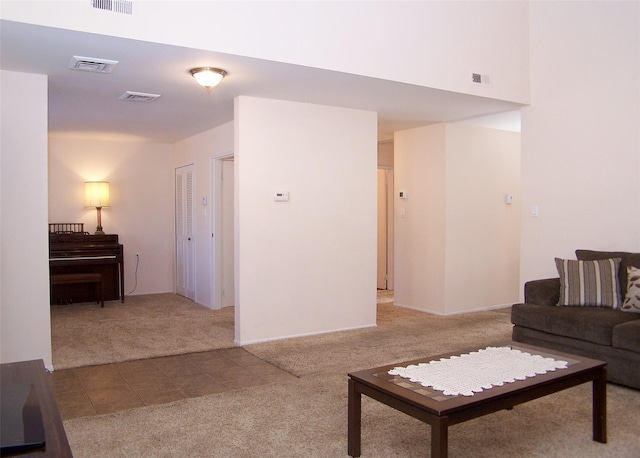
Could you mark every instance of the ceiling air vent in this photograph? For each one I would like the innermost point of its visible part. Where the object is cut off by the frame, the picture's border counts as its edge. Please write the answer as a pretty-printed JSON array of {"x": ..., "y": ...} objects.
[
  {"x": 117, "y": 6},
  {"x": 90, "y": 64},
  {"x": 138, "y": 97}
]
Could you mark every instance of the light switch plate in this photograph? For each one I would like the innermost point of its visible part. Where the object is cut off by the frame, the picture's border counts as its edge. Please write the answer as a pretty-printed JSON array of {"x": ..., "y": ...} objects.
[{"x": 281, "y": 196}]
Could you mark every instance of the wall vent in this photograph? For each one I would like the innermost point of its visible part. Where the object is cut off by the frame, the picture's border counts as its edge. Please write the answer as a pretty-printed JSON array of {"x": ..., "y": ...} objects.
[
  {"x": 90, "y": 64},
  {"x": 117, "y": 6},
  {"x": 131, "y": 96}
]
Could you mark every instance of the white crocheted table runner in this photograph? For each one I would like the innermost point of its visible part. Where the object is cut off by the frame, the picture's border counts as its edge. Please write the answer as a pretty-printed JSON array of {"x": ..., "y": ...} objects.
[{"x": 480, "y": 370}]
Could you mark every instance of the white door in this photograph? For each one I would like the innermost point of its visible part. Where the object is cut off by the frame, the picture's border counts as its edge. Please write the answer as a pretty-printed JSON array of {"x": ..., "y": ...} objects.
[{"x": 185, "y": 243}]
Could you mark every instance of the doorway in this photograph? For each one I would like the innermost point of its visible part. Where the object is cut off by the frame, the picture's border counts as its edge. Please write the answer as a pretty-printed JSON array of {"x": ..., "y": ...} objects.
[
  {"x": 385, "y": 228},
  {"x": 223, "y": 246}
]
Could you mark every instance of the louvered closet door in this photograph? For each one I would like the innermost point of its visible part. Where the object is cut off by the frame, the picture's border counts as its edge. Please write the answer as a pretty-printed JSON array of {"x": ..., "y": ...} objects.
[{"x": 185, "y": 242}]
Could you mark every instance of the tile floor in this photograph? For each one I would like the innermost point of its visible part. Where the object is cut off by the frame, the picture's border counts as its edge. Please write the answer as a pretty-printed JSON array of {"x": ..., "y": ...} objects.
[{"x": 96, "y": 390}]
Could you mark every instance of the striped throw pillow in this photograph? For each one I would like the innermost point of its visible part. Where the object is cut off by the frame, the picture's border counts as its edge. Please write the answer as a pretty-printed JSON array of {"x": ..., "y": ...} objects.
[
  {"x": 589, "y": 283},
  {"x": 632, "y": 299}
]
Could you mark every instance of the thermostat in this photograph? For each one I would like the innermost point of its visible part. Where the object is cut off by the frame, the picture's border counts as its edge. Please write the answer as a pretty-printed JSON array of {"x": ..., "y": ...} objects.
[
  {"x": 281, "y": 196},
  {"x": 402, "y": 194}
]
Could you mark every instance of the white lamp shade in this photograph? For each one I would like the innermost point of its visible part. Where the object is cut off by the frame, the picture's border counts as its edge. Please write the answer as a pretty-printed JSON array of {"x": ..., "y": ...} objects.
[
  {"x": 96, "y": 194},
  {"x": 208, "y": 77}
]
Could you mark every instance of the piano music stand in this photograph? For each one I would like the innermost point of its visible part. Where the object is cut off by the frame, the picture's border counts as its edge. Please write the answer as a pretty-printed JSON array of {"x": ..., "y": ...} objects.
[{"x": 66, "y": 228}]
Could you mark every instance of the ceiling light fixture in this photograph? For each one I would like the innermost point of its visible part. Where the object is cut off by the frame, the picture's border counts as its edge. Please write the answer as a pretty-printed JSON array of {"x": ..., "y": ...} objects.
[{"x": 208, "y": 77}]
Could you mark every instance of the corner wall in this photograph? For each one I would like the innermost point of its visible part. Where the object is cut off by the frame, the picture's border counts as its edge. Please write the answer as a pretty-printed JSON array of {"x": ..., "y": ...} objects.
[
  {"x": 457, "y": 245},
  {"x": 305, "y": 266},
  {"x": 25, "y": 327}
]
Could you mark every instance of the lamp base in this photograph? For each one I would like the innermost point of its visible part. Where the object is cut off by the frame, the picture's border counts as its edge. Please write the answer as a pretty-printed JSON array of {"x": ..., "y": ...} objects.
[{"x": 99, "y": 230}]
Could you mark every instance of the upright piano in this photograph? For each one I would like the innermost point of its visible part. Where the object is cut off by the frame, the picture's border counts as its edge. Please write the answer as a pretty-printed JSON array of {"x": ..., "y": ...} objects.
[{"x": 80, "y": 252}]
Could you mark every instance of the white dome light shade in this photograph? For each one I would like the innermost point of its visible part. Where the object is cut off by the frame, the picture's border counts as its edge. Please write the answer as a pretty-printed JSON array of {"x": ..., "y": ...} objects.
[{"x": 208, "y": 77}]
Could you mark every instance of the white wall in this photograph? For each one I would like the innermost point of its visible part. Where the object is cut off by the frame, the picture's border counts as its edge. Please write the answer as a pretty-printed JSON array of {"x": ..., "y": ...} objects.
[
  {"x": 457, "y": 245},
  {"x": 25, "y": 328},
  {"x": 581, "y": 134},
  {"x": 199, "y": 150},
  {"x": 482, "y": 230},
  {"x": 583, "y": 123},
  {"x": 307, "y": 265},
  {"x": 385, "y": 154},
  {"x": 420, "y": 238},
  {"x": 141, "y": 190},
  {"x": 433, "y": 44}
]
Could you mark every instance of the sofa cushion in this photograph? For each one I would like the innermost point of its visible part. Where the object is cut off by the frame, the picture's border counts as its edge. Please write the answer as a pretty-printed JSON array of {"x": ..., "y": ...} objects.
[
  {"x": 592, "y": 324},
  {"x": 626, "y": 259},
  {"x": 589, "y": 283},
  {"x": 632, "y": 298},
  {"x": 627, "y": 336}
]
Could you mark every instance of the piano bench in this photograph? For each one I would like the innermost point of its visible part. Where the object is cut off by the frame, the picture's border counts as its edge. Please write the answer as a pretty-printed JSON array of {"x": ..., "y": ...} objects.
[{"x": 67, "y": 279}]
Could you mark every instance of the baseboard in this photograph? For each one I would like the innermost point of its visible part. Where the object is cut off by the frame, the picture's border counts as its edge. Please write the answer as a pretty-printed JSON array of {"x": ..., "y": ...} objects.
[
  {"x": 459, "y": 312},
  {"x": 293, "y": 336},
  {"x": 149, "y": 293}
]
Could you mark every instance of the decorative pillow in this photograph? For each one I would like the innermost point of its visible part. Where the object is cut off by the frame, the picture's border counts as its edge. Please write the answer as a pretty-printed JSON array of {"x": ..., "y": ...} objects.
[
  {"x": 589, "y": 283},
  {"x": 632, "y": 299},
  {"x": 626, "y": 259}
]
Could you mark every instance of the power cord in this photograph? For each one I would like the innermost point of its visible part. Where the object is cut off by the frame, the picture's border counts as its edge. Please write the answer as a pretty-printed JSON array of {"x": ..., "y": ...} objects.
[{"x": 136, "y": 276}]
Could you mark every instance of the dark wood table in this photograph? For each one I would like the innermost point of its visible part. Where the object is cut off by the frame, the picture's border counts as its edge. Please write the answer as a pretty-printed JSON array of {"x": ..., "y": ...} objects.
[
  {"x": 441, "y": 411},
  {"x": 33, "y": 372}
]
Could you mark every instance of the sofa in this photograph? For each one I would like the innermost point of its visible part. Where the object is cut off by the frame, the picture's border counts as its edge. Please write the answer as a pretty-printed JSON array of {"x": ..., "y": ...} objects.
[{"x": 553, "y": 317}]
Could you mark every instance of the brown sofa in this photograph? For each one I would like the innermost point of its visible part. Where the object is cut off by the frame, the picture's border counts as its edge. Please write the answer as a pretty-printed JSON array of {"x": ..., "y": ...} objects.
[{"x": 602, "y": 333}]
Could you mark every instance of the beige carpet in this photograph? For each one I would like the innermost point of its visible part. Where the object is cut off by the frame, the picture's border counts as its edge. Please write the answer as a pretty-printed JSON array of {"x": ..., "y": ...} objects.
[
  {"x": 307, "y": 417},
  {"x": 141, "y": 327}
]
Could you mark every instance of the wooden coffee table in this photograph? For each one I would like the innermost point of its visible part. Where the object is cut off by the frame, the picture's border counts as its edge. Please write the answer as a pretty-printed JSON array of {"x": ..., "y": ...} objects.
[{"x": 441, "y": 411}]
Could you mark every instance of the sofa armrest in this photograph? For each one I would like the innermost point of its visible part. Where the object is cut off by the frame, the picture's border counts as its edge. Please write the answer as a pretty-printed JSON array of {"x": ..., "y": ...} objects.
[{"x": 542, "y": 292}]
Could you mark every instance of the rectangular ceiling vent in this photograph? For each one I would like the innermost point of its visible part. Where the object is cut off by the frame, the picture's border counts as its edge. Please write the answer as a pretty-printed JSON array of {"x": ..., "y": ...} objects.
[
  {"x": 90, "y": 64},
  {"x": 117, "y": 6},
  {"x": 131, "y": 96}
]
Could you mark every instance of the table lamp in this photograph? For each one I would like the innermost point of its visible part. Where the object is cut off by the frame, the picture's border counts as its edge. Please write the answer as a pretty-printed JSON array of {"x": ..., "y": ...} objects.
[{"x": 96, "y": 194}]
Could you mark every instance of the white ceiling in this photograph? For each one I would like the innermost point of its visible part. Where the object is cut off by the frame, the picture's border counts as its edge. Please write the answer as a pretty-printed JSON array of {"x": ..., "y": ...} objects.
[{"x": 88, "y": 103}]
